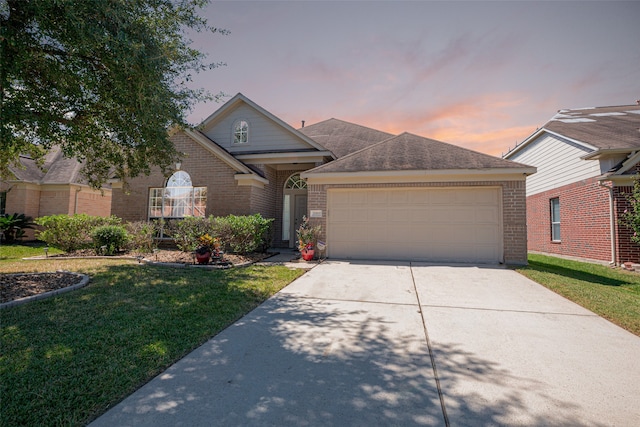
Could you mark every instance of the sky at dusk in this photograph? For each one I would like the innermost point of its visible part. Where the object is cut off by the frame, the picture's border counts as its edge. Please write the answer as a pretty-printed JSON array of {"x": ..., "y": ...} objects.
[{"x": 481, "y": 75}]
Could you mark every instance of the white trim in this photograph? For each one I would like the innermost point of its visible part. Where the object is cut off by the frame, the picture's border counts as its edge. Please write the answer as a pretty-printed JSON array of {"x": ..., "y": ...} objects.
[
  {"x": 276, "y": 158},
  {"x": 241, "y": 98},
  {"x": 445, "y": 175},
  {"x": 539, "y": 132},
  {"x": 252, "y": 180}
]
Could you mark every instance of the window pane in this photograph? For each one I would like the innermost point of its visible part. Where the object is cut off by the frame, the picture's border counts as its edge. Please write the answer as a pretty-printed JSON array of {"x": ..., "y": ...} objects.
[
  {"x": 555, "y": 210},
  {"x": 199, "y": 201},
  {"x": 286, "y": 218},
  {"x": 155, "y": 202},
  {"x": 555, "y": 219}
]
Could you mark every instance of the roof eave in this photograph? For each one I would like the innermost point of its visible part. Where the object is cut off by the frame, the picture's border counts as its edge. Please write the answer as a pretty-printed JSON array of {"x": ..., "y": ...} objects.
[
  {"x": 600, "y": 153},
  {"x": 465, "y": 174}
]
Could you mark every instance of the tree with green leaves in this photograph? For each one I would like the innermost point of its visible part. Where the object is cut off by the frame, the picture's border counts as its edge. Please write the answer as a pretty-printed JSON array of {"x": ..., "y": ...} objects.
[
  {"x": 104, "y": 79},
  {"x": 631, "y": 216}
]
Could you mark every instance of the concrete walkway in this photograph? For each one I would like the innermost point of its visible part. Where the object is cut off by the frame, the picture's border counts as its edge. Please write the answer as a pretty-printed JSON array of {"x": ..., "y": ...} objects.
[{"x": 353, "y": 344}]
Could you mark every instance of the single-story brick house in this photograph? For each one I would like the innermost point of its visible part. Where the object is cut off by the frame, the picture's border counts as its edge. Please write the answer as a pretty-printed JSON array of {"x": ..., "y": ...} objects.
[
  {"x": 376, "y": 195},
  {"x": 586, "y": 160},
  {"x": 57, "y": 187}
]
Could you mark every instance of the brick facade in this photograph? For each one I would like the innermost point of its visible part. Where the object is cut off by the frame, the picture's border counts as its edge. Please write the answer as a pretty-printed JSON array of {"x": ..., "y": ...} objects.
[
  {"x": 585, "y": 222},
  {"x": 36, "y": 200},
  {"x": 513, "y": 210},
  {"x": 224, "y": 196}
]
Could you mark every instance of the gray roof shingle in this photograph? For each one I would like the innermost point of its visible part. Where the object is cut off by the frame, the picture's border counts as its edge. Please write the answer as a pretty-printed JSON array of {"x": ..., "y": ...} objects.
[
  {"x": 57, "y": 169},
  {"x": 411, "y": 152},
  {"x": 342, "y": 138},
  {"x": 606, "y": 128}
]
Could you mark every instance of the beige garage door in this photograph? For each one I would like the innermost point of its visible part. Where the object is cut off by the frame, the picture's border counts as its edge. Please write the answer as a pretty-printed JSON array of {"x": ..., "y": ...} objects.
[{"x": 448, "y": 224}]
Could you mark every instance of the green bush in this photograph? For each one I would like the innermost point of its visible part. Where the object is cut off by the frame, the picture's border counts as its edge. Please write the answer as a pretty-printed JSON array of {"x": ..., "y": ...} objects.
[
  {"x": 141, "y": 236},
  {"x": 71, "y": 232},
  {"x": 186, "y": 232},
  {"x": 109, "y": 239},
  {"x": 244, "y": 234}
]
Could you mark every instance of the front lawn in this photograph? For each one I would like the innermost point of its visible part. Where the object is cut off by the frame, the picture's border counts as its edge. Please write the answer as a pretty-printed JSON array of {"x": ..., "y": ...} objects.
[
  {"x": 609, "y": 292},
  {"x": 66, "y": 359}
]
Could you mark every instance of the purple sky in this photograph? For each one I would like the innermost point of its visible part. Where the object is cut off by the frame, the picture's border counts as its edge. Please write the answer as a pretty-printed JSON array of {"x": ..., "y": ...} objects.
[{"x": 481, "y": 75}]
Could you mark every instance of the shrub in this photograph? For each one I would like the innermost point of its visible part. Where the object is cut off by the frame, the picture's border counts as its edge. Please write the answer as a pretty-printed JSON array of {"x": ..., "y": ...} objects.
[
  {"x": 12, "y": 226},
  {"x": 109, "y": 239},
  {"x": 186, "y": 232},
  {"x": 141, "y": 236},
  {"x": 71, "y": 232},
  {"x": 244, "y": 234}
]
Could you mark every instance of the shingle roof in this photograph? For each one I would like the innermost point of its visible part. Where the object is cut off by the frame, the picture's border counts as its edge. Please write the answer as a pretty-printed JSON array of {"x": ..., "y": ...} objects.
[
  {"x": 411, "y": 152},
  {"x": 343, "y": 138},
  {"x": 56, "y": 169},
  {"x": 606, "y": 128}
]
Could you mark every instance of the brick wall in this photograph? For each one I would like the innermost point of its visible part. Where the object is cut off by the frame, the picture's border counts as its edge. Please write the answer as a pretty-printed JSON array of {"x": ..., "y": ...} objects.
[
  {"x": 513, "y": 210},
  {"x": 94, "y": 202},
  {"x": 626, "y": 250},
  {"x": 584, "y": 221},
  {"x": 224, "y": 195},
  {"x": 23, "y": 198}
]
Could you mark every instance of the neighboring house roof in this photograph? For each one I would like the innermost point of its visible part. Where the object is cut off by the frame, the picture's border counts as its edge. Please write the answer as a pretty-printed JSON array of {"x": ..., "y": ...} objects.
[
  {"x": 343, "y": 138},
  {"x": 602, "y": 129},
  {"x": 408, "y": 152},
  {"x": 56, "y": 169}
]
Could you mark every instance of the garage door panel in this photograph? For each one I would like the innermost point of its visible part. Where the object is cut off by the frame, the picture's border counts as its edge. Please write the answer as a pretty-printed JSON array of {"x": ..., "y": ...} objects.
[{"x": 453, "y": 224}]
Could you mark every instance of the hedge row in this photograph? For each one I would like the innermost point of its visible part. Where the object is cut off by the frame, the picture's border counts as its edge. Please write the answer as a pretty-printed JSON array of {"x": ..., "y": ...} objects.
[{"x": 109, "y": 235}]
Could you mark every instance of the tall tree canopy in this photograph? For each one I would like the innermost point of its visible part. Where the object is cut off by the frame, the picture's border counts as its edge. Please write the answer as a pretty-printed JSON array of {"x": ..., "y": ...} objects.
[{"x": 104, "y": 79}]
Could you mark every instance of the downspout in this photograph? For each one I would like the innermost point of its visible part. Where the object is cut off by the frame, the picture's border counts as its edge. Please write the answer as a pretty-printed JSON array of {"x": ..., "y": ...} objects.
[
  {"x": 75, "y": 207},
  {"x": 612, "y": 220}
]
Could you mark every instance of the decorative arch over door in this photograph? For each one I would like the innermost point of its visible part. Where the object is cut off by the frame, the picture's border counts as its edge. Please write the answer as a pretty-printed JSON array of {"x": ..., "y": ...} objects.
[{"x": 294, "y": 207}]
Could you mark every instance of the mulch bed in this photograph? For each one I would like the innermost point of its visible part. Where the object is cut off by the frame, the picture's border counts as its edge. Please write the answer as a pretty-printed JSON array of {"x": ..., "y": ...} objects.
[{"x": 16, "y": 286}]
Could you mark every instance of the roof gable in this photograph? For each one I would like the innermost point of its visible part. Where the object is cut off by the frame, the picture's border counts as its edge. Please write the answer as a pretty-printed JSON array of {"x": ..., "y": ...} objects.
[
  {"x": 56, "y": 169},
  {"x": 343, "y": 138},
  {"x": 603, "y": 129},
  {"x": 267, "y": 133},
  {"x": 408, "y": 152}
]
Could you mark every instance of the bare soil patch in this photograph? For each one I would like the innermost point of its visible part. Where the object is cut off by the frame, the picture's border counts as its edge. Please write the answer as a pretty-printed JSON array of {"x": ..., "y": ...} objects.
[{"x": 16, "y": 286}]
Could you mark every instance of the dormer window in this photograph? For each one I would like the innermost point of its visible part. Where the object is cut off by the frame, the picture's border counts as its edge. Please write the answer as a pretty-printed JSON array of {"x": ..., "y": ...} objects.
[{"x": 241, "y": 132}]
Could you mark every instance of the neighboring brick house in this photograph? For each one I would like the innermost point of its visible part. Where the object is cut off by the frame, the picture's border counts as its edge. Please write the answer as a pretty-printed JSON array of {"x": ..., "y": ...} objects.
[
  {"x": 586, "y": 160},
  {"x": 55, "y": 188},
  {"x": 376, "y": 195}
]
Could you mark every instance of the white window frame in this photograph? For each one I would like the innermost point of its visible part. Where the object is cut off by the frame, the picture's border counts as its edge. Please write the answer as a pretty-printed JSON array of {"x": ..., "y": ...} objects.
[
  {"x": 237, "y": 132},
  {"x": 177, "y": 199},
  {"x": 556, "y": 233}
]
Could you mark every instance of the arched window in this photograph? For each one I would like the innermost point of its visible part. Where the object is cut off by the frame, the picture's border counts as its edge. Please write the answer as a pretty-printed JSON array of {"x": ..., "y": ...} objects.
[
  {"x": 241, "y": 132},
  {"x": 178, "y": 199},
  {"x": 296, "y": 183}
]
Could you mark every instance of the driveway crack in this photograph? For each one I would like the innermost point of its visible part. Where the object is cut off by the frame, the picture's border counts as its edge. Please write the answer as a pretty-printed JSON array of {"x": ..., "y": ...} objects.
[{"x": 431, "y": 353}]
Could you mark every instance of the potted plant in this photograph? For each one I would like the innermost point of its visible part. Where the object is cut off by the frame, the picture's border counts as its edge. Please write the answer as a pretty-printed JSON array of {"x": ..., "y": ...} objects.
[
  {"x": 307, "y": 236},
  {"x": 206, "y": 246}
]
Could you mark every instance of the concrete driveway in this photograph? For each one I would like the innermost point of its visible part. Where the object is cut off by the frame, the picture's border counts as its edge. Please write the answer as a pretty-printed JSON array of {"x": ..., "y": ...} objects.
[{"x": 353, "y": 344}]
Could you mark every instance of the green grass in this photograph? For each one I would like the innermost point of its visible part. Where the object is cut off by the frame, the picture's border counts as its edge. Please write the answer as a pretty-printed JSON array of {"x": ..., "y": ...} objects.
[
  {"x": 609, "y": 292},
  {"x": 15, "y": 252},
  {"x": 65, "y": 360}
]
